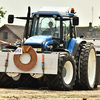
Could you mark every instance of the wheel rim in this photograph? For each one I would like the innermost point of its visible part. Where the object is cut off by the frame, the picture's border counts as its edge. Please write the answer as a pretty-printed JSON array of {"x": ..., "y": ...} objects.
[
  {"x": 67, "y": 72},
  {"x": 16, "y": 78},
  {"x": 91, "y": 68},
  {"x": 36, "y": 75}
]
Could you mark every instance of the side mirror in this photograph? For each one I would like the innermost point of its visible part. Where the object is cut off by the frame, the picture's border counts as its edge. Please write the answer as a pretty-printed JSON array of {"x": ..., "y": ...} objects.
[
  {"x": 75, "y": 20},
  {"x": 10, "y": 18}
]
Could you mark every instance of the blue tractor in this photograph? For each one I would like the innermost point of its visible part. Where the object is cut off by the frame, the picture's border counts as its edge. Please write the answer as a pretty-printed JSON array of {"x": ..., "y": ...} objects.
[{"x": 67, "y": 61}]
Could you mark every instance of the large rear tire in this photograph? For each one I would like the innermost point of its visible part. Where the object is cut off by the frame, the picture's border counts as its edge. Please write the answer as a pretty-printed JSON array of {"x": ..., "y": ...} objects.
[
  {"x": 77, "y": 58},
  {"x": 65, "y": 79},
  {"x": 88, "y": 66}
]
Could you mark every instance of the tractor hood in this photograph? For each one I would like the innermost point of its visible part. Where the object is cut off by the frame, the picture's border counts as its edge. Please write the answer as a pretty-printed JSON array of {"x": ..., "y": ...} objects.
[{"x": 40, "y": 40}]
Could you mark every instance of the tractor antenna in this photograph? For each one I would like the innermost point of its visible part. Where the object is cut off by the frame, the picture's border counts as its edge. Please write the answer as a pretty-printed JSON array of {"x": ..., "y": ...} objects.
[{"x": 92, "y": 15}]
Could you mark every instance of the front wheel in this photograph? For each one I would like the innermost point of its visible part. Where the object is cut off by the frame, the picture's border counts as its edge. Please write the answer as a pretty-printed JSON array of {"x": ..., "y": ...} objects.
[
  {"x": 65, "y": 79},
  {"x": 8, "y": 82}
]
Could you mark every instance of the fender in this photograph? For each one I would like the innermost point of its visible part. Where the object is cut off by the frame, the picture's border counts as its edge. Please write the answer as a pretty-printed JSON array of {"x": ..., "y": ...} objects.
[
  {"x": 71, "y": 44},
  {"x": 76, "y": 45}
]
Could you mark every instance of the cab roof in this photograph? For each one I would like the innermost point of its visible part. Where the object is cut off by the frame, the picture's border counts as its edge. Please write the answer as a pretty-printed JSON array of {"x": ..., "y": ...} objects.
[{"x": 61, "y": 11}]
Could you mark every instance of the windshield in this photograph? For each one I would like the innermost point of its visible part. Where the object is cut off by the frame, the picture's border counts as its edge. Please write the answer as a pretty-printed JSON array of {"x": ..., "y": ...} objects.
[{"x": 46, "y": 26}]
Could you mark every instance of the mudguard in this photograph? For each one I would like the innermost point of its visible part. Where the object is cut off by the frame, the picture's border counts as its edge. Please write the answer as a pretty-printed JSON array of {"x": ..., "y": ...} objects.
[
  {"x": 71, "y": 44},
  {"x": 74, "y": 44}
]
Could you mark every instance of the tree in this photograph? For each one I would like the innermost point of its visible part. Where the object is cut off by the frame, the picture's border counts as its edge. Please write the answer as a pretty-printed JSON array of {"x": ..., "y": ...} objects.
[
  {"x": 2, "y": 13},
  {"x": 97, "y": 27}
]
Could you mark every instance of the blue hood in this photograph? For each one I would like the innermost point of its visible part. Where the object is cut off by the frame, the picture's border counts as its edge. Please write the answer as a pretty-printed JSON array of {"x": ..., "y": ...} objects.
[{"x": 40, "y": 40}]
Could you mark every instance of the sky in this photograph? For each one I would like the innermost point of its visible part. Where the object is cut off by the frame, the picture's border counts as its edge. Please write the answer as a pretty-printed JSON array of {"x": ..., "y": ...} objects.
[{"x": 86, "y": 10}]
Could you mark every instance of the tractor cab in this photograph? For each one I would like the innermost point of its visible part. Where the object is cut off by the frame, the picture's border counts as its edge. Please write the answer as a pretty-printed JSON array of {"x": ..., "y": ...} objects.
[
  {"x": 52, "y": 27},
  {"x": 49, "y": 28}
]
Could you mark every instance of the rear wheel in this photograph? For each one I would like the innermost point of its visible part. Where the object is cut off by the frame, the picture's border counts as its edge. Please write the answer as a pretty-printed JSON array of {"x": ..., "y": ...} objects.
[
  {"x": 77, "y": 58},
  {"x": 65, "y": 79},
  {"x": 88, "y": 66}
]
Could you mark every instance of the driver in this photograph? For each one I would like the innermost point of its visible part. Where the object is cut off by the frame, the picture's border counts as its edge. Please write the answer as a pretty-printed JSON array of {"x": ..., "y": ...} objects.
[
  {"x": 51, "y": 29},
  {"x": 50, "y": 24}
]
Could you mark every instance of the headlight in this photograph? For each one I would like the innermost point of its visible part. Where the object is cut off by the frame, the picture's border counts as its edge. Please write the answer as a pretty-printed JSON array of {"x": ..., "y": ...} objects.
[{"x": 38, "y": 49}]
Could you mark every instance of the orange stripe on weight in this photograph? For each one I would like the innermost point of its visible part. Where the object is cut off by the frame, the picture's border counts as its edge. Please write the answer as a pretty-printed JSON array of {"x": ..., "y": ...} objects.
[
  {"x": 7, "y": 55},
  {"x": 23, "y": 49},
  {"x": 43, "y": 58},
  {"x": 28, "y": 49}
]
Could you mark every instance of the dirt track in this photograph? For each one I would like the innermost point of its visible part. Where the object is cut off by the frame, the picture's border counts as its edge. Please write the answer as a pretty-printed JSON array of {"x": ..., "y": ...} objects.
[{"x": 36, "y": 94}]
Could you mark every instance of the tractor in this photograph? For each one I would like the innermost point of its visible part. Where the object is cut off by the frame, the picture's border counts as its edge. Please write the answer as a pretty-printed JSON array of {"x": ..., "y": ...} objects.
[{"x": 51, "y": 53}]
